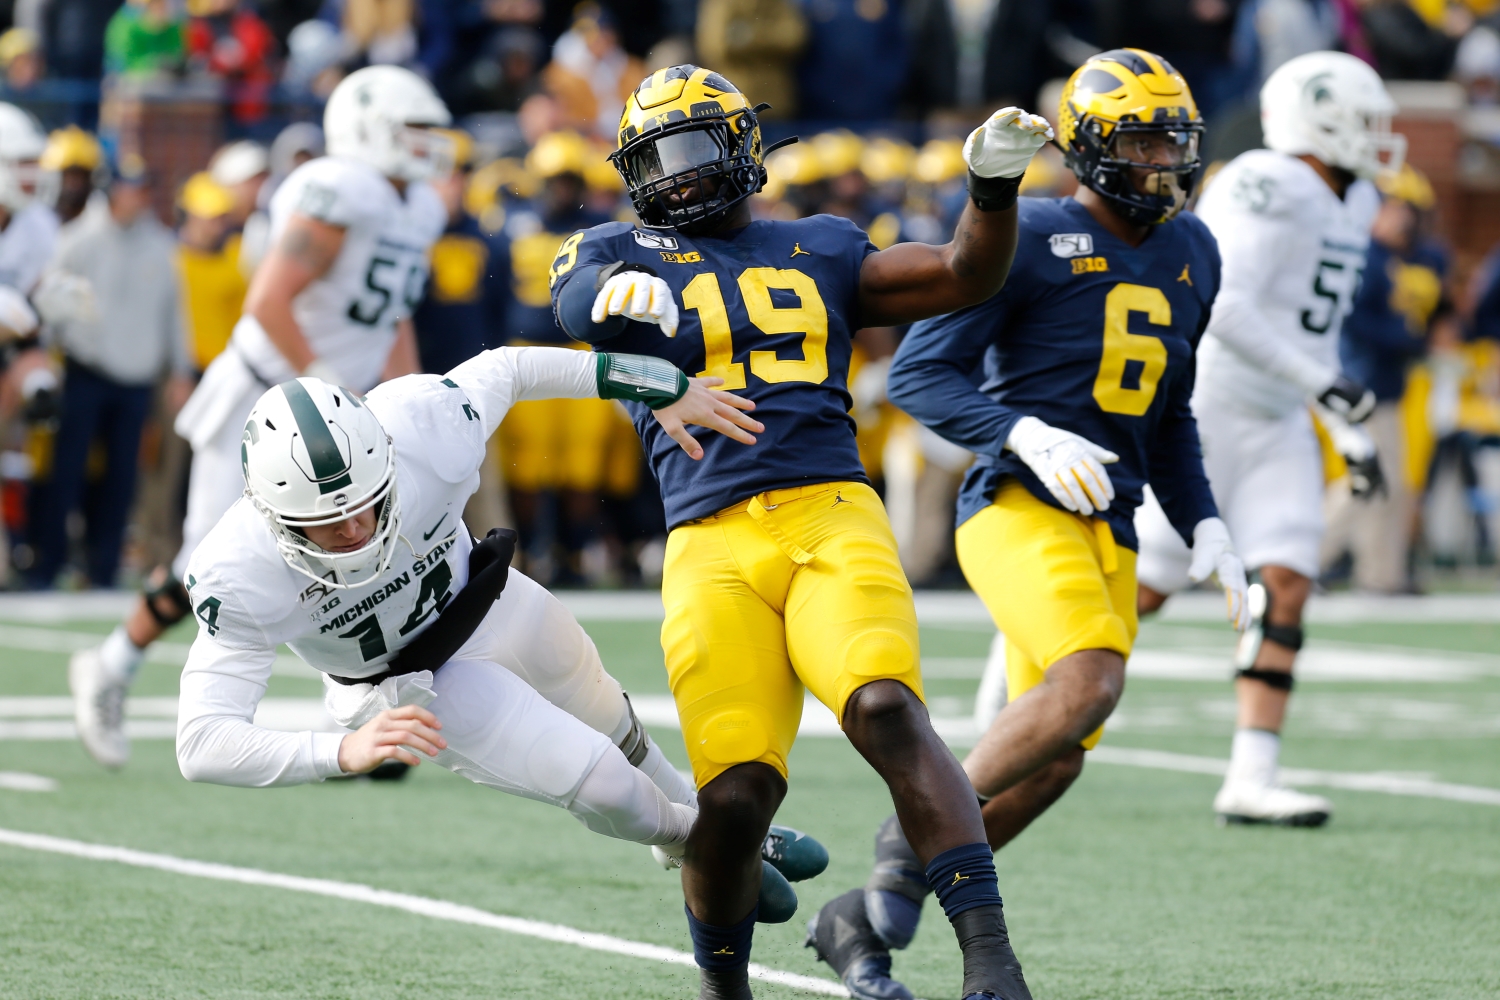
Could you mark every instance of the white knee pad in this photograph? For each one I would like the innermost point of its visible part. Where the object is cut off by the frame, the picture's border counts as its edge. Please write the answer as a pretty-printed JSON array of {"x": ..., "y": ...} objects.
[{"x": 619, "y": 801}]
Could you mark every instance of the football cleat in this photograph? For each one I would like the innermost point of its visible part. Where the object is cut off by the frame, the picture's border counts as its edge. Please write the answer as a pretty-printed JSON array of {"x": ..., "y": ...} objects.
[
  {"x": 1247, "y": 802},
  {"x": 897, "y": 887},
  {"x": 778, "y": 900},
  {"x": 98, "y": 709},
  {"x": 841, "y": 935},
  {"x": 794, "y": 854}
]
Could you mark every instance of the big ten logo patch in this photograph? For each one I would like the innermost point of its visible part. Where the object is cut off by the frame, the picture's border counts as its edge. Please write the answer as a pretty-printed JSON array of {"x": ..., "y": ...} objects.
[
  {"x": 691, "y": 257},
  {"x": 1087, "y": 265}
]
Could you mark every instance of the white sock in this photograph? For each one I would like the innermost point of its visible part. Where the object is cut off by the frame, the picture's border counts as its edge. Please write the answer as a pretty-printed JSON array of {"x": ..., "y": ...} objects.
[
  {"x": 119, "y": 657},
  {"x": 619, "y": 801},
  {"x": 677, "y": 786},
  {"x": 1254, "y": 756}
]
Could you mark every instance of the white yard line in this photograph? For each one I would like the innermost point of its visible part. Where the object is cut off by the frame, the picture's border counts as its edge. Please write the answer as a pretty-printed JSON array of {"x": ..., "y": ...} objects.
[
  {"x": 437, "y": 909},
  {"x": 1373, "y": 781},
  {"x": 20, "y": 781},
  {"x": 173, "y": 654}
]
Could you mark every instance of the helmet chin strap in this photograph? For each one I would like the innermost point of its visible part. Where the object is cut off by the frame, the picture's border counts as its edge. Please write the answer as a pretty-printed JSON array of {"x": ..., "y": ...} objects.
[{"x": 1166, "y": 183}]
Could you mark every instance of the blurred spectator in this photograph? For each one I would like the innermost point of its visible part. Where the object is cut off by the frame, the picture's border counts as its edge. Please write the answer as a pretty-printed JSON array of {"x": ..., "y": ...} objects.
[
  {"x": 144, "y": 38},
  {"x": 1194, "y": 35},
  {"x": 1285, "y": 29},
  {"x": 225, "y": 38},
  {"x": 932, "y": 67},
  {"x": 1408, "y": 46},
  {"x": 590, "y": 75},
  {"x": 463, "y": 311},
  {"x": 21, "y": 59},
  {"x": 74, "y": 161},
  {"x": 213, "y": 288},
  {"x": 855, "y": 60},
  {"x": 316, "y": 53},
  {"x": 1477, "y": 65},
  {"x": 755, "y": 44},
  {"x": 73, "y": 32},
  {"x": 554, "y": 449},
  {"x": 241, "y": 168},
  {"x": 113, "y": 361},
  {"x": 381, "y": 29},
  {"x": 1399, "y": 298},
  {"x": 502, "y": 76}
]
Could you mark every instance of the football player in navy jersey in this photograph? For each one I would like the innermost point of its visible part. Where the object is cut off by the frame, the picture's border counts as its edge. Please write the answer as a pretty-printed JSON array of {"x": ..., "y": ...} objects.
[
  {"x": 1087, "y": 364},
  {"x": 781, "y": 571}
]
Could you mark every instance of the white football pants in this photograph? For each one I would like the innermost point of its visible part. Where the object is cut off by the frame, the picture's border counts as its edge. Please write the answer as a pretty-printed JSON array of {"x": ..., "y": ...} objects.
[{"x": 1267, "y": 479}]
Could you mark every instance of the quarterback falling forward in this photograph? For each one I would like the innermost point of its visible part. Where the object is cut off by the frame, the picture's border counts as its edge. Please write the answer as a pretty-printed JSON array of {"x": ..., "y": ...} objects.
[
  {"x": 1087, "y": 358},
  {"x": 781, "y": 570},
  {"x": 1293, "y": 226},
  {"x": 349, "y": 547},
  {"x": 350, "y": 236}
]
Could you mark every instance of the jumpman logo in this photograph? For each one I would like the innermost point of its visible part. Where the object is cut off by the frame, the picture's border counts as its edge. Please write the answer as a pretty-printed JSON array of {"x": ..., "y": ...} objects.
[
  {"x": 1184, "y": 276},
  {"x": 838, "y": 498},
  {"x": 959, "y": 877},
  {"x": 724, "y": 951},
  {"x": 797, "y": 248}
]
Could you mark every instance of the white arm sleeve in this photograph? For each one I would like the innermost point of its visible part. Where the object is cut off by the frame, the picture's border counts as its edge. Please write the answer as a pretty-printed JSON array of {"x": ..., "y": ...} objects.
[
  {"x": 1249, "y": 251},
  {"x": 496, "y": 380},
  {"x": 218, "y": 742}
]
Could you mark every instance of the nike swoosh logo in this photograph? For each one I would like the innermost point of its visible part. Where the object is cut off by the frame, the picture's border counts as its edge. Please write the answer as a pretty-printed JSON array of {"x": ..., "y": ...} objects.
[{"x": 427, "y": 535}]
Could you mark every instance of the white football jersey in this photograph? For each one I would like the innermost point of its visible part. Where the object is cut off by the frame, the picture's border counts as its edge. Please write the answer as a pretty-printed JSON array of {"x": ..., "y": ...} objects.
[
  {"x": 1293, "y": 253},
  {"x": 26, "y": 246},
  {"x": 248, "y": 599},
  {"x": 349, "y": 315}
]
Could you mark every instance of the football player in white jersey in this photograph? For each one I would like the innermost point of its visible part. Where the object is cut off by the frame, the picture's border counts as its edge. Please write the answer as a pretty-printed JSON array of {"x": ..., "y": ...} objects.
[
  {"x": 348, "y": 545},
  {"x": 350, "y": 234},
  {"x": 28, "y": 228},
  {"x": 1293, "y": 224}
]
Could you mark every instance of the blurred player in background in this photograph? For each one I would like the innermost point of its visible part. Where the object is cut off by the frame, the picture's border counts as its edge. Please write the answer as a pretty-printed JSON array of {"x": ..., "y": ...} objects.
[
  {"x": 554, "y": 449},
  {"x": 1293, "y": 227},
  {"x": 333, "y": 299},
  {"x": 781, "y": 571},
  {"x": 1401, "y": 299},
  {"x": 1068, "y": 427},
  {"x": 72, "y": 168}
]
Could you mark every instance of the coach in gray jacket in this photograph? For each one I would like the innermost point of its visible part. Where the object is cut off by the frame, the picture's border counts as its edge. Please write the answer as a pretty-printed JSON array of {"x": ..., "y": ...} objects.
[{"x": 114, "y": 359}]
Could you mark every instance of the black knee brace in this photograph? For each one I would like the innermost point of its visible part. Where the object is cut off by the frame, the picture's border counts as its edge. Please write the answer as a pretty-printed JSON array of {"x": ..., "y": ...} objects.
[
  {"x": 1248, "y": 650},
  {"x": 168, "y": 590},
  {"x": 636, "y": 743}
]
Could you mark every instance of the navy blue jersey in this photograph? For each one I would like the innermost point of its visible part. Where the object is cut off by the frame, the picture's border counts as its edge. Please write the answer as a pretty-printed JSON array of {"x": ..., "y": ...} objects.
[
  {"x": 770, "y": 309},
  {"x": 1090, "y": 335},
  {"x": 463, "y": 311}
]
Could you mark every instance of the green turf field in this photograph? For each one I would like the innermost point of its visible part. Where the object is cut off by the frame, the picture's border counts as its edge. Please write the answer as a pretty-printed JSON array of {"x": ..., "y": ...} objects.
[{"x": 1125, "y": 890}]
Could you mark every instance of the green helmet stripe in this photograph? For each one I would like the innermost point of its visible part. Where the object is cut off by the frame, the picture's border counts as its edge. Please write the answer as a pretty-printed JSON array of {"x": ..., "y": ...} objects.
[{"x": 329, "y": 468}]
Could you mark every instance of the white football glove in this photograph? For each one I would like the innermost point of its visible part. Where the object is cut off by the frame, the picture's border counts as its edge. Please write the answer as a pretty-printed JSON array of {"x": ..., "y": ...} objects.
[
  {"x": 63, "y": 297},
  {"x": 1071, "y": 467},
  {"x": 17, "y": 318},
  {"x": 1004, "y": 145},
  {"x": 1214, "y": 556},
  {"x": 323, "y": 370},
  {"x": 639, "y": 296}
]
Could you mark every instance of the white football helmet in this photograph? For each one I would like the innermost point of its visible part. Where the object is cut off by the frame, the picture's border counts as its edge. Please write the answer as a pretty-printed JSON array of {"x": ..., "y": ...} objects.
[
  {"x": 12, "y": 198},
  {"x": 375, "y": 115},
  {"x": 314, "y": 455},
  {"x": 1332, "y": 106},
  {"x": 21, "y": 144}
]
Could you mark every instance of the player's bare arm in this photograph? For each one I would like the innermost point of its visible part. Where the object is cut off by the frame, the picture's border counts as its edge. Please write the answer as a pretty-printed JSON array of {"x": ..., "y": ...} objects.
[
  {"x": 911, "y": 281},
  {"x": 305, "y": 253},
  {"x": 404, "y": 359}
]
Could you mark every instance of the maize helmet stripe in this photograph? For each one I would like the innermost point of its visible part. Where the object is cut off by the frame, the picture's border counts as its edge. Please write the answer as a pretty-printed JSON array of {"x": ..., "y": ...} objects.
[{"x": 330, "y": 470}]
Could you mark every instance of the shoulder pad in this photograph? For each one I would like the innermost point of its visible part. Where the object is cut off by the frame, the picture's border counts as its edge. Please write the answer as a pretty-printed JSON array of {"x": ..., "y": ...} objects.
[{"x": 432, "y": 425}]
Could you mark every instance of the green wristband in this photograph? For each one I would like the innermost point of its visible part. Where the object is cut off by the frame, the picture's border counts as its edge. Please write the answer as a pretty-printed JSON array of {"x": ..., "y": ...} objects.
[{"x": 645, "y": 379}]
